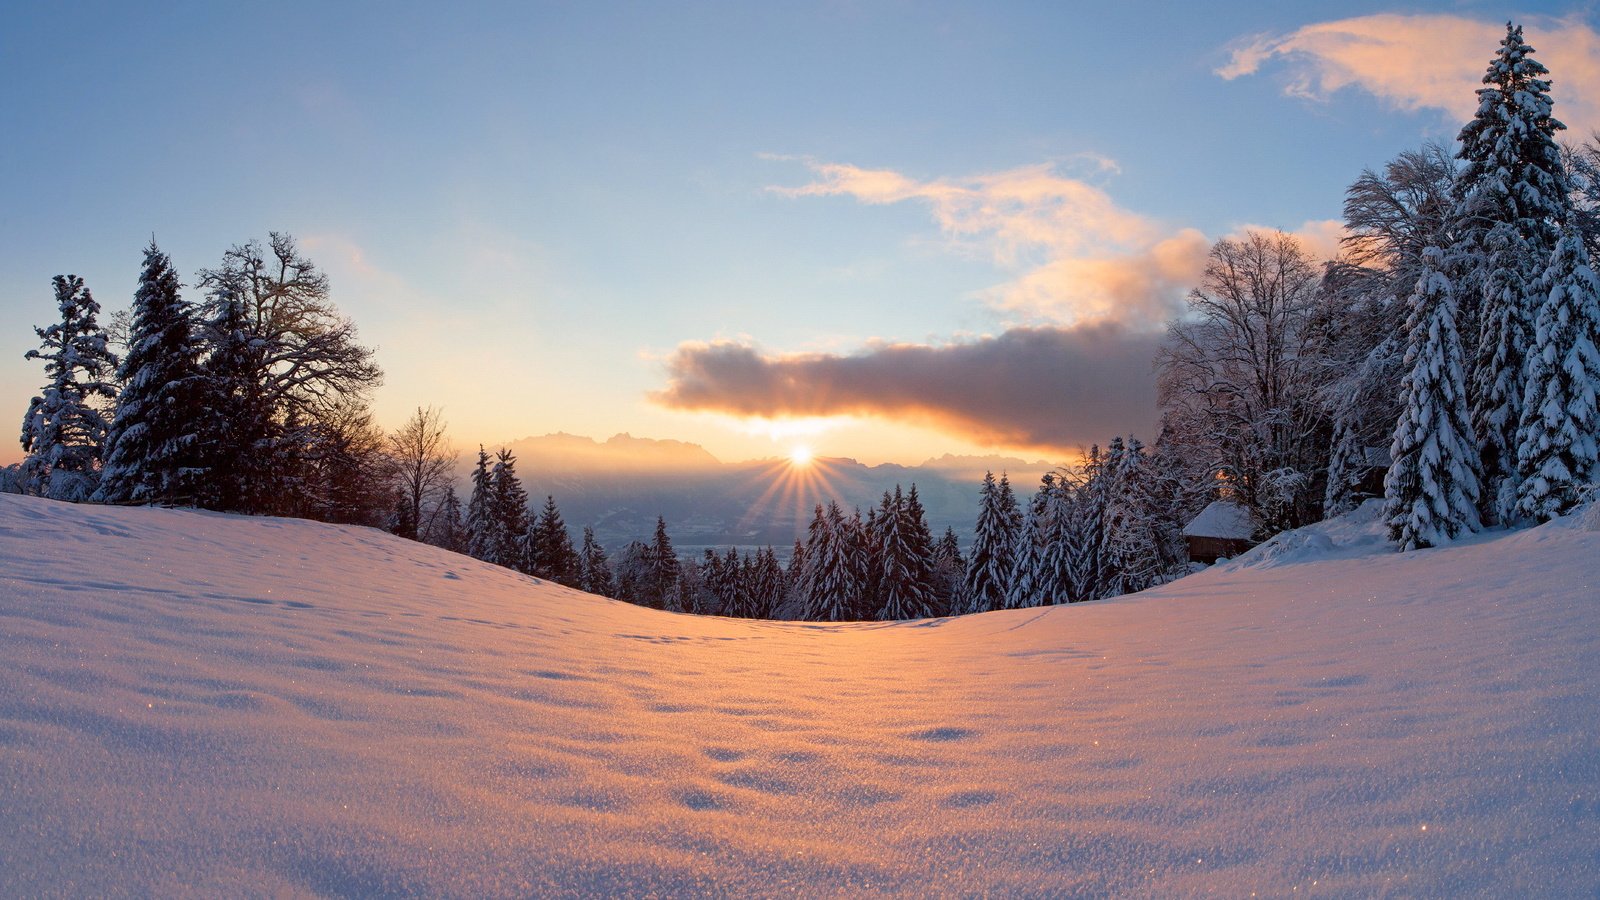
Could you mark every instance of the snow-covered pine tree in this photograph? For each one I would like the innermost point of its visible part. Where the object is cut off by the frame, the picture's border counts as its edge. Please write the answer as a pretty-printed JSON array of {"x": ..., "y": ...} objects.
[
  {"x": 1108, "y": 491},
  {"x": 989, "y": 565},
  {"x": 703, "y": 592},
  {"x": 860, "y": 559},
  {"x": 629, "y": 570},
  {"x": 1133, "y": 539},
  {"x": 738, "y": 592},
  {"x": 904, "y": 559},
  {"x": 1064, "y": 554},
  {"x": 1028, "y": 584},
  {"x": 661, "y": 570},
  {"x": 1432, "y": 486},
  {"x": 827, "y": 585},
  {"x": 872, "y": 582},
  {"x": 550, "y": 553},
  {"x": 237, "y": 427},
  {"x": 446, "y": 528},
  {"x": 594, "y": 569},
  {"x": 508, "y": 514},
  {"x": 153, "y": 445},
  {"x": 64, "y": 431},
  {"x": 919, "y": 544},
  {"x": 480, "y": 528},
  {"x": 949, "y": 569},
  {"x": 1022, "y": 587},
  {"x": 1391, "y": 216},
  {"x": 770, "y": 585},
  {"x": 1010, "y": 510},
  {"x": 1512, "y": 200},
  {"x": 400, "y": 523},
  {"x": 1045, "y": 581},
  {"x": 1556, "y": 451},
  {"x": 1085, "y": 529}
]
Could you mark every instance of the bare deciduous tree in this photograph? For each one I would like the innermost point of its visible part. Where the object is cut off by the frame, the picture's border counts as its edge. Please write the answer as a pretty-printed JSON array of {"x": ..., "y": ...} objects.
[
  {"x": 1237, "y": 377},
  {"x": 421, "y": 458}
]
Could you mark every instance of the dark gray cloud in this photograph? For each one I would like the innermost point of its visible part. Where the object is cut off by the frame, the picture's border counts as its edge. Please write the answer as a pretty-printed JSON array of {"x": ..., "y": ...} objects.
[{"x": 1047, "y": 388}]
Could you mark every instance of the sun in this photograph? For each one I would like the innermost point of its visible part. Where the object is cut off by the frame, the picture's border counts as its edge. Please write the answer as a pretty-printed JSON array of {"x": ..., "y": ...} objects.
[{"x": 800, "y": 455}]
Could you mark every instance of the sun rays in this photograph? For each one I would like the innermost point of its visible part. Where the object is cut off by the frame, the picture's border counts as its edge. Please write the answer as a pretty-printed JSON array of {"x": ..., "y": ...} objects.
[{"x": 794, "y": 485}]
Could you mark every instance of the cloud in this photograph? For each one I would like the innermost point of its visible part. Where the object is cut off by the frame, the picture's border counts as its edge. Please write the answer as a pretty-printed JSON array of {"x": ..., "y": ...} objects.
[
  {"x": 1077, "y": 256},
  {"x": 1036, "y": 387},
  {"x": 1421, "y": 62}
]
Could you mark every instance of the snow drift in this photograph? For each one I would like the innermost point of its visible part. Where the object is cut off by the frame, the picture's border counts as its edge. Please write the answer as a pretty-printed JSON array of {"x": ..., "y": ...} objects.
[{"x": 202, "y": 704}]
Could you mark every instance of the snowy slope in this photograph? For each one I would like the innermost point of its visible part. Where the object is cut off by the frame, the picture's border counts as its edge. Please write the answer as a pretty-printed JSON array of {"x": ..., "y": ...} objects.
[{"x": 203, "y": 704}]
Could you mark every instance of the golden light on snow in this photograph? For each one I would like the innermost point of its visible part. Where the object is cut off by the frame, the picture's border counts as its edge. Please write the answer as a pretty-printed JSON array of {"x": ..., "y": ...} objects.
[{"x": 800, "y": 456}]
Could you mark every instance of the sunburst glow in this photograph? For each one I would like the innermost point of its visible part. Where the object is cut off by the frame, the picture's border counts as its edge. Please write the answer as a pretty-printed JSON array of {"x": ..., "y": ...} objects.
[{"x": 800, "y": 455}]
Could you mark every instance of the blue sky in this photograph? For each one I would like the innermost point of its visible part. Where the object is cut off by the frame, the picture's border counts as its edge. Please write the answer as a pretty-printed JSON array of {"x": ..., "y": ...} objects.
[{"x": 547, "y": 217}]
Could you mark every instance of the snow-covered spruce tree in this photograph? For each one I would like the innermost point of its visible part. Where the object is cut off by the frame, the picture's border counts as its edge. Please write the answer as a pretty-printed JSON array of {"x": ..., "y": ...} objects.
[
  {"x": 628, "y": 570},
  {"x": 949, "y": 569},
  {"x": 1058, "y": 543},
  {"x": 1512, "y": 198},
  {"x": 989, "y": 564},
  {"x": 919, "y": 541},
  {"x": 861, "y": 561},
  {"x": 64, "y": 431},
  {"x": 1391, "y": 216},
  {"x": 594, "y": 570},
  {"x": 1133, "y": 545},
  {"x": 1032, "y": 576},
  {"x": 1583, "y": 177},
  {"x": 904, "y": 557},
  {"x": 827, "y": 586},
  {"x": 480, "y": 530},
  {"x": 153, "y": 446},
  {"x": 770, "y": 585},
  {"x": 549, "y": 547},
  {"x": 237, "y": 425},
  {"x": 446, "y": 527},
  {"x": 1432, "y": 487},
  {"x": 507, "y": 514},
  {"x": 1556, "y": 452},
  {"x": 660, "y": 577},
  {"x": 1085, "y": 528}
]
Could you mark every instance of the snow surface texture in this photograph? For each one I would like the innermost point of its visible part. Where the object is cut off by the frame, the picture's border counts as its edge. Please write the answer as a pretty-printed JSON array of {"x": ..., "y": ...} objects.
[{"x": 203, "y": 704}]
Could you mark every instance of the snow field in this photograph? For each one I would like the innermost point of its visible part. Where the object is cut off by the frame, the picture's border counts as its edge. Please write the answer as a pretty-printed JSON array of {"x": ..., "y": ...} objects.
[{"x": 197, "y": 704}]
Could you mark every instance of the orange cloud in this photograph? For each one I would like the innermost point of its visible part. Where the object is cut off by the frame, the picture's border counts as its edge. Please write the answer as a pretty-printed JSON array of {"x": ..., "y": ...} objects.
[
  {"x": 1418, "y": 62},
  {"x": 1079, "y": 256},
  {"x": 1045, "y": 388}
]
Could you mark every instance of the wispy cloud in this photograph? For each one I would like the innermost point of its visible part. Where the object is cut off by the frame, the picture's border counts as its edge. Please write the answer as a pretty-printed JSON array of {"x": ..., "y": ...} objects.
[
  {"x": 1045, "y": 388},
  {"x": 1420, "y": 62},
  {"x": 1075, "y": 255}
]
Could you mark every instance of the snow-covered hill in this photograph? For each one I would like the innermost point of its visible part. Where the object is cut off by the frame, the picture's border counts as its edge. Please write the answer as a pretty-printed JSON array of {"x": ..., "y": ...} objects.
[{"x": 213, "y": 705}]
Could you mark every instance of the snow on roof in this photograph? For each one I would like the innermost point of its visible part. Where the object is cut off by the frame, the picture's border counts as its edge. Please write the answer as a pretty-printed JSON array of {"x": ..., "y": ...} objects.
[{"x": 1222, "y": 519}]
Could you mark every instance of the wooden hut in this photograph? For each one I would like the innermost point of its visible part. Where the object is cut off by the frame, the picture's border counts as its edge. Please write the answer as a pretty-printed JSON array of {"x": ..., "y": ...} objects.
[{"x": 1223, "y": 529}]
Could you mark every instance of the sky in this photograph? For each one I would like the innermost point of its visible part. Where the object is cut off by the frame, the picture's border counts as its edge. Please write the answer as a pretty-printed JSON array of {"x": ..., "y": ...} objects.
[{"x": 884, "y": 230}]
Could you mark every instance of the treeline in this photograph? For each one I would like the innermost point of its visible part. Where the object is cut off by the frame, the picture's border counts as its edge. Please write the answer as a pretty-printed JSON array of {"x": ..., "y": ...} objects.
[
  {"x": 1107, "y": 527},
  {"x": 884, "y": 566}
]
